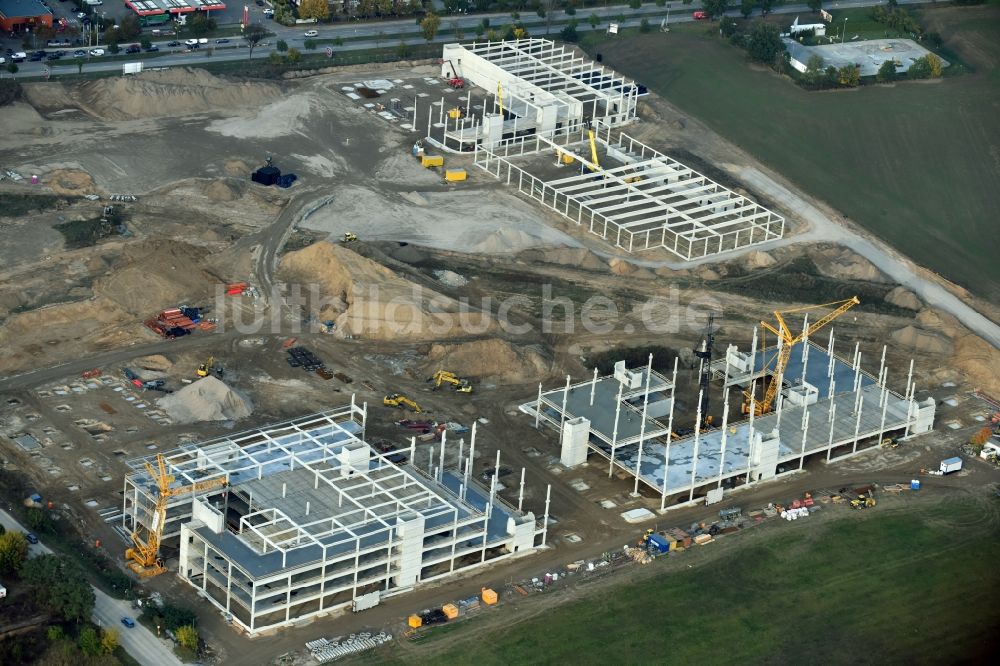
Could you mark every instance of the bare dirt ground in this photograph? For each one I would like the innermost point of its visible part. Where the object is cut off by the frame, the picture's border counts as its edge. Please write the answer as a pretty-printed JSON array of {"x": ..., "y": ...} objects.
[{"x": 185, "y": 146}]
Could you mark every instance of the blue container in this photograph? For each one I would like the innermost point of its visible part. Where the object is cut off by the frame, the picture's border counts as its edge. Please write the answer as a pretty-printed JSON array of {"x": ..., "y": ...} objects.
[
  {"x": 660, "y": 543},
  {"x": 915, "y": 484}
]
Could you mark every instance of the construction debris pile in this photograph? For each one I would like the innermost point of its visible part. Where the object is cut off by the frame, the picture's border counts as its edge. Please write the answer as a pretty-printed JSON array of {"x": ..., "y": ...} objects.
[{"x": 208, "y": 399}]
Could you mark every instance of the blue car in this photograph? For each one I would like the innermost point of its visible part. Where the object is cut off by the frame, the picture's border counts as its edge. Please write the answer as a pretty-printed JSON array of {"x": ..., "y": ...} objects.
[
  {"x": 31, "y": 538},
  {"x": 128, "y": 622}
]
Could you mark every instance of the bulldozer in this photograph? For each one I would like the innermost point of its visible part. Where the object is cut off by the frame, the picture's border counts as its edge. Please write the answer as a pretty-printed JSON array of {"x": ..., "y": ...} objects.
[
  {"x": 863, "y": 502},
  {"x": 458, "y": 383},
  {"x": 350, "y": 237},
  {"x": 397, "y": 400},
  {"x": 890, "y": 443}
]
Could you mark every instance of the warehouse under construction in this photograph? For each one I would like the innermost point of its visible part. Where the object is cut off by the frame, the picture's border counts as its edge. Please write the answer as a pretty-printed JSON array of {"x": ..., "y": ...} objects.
[
  {"x": 549, "y": 127},
  {"x": 793, "y": 403},
  {"x": 304, "y": 518}
]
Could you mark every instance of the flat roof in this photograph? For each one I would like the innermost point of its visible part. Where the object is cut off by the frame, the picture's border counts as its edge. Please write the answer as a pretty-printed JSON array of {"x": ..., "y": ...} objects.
[
  {"x": 601, "y": 413},
  {"x": 18, "y": 8}
]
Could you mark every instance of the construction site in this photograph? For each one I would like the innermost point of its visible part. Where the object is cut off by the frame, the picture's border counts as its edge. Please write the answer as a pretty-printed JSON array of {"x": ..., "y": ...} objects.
[{"x": 507, "y": 315}]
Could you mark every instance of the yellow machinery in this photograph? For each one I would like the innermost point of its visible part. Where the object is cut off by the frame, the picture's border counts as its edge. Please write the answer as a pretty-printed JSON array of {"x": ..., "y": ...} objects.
[
  {"x": 863, "y": 502},
  {"x": 143, "y": 557},
  {"x": 397, "y": 400},
  {"x": 428, "y": 161},
  {"x": 786, "y": 340},
  {"x": 890, "y": 443},
  {"x": 456, "y": 113},
  {"x": 593, "y": 152},
  {"x": 445, "y": 377},
  {"x": 500, "y": 96},
  {"x": 205, "y": 368},
  {"x": 455, "y": 175},
  {"x": 350, "y": 237},
  {"x": 565, "y": 158}
]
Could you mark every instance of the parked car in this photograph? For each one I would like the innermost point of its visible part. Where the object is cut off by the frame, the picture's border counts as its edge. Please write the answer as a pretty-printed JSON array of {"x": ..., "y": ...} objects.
[
  {"x": 128, "y": 622},
  {"x": 19, "y": 56},
  {"x": 700, "y": 16},
  {"x": 268, "y": 12},
  {"x": 35, "y": 57},
  {"x": 31, "y": 538},
  {"x": 81, "y": 15},
  {"x": 260, "y": 3},
  {"x": 152, "y": 47},
  {"x": 190, "y": 42},
  {"x": 222, "y": 41},
  {"x": 54, "y": 56},
  {"x": 79, "y": 53},
  {"x": 96, "y": 52},
  {"x": 133, "y": 48},
  {"x": 3, "y": 61},
  {"x": 173, "y": 43},
  {"x": 311, "y": 33}
]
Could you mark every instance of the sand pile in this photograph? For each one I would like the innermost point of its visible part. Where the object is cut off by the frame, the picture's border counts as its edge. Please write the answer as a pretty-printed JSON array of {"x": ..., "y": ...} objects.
[
  {"x": 368, "y": 300},
  {"x": 158, "y": 274},
  {"x": 173, "y": 92},
  {"x": 506, "y": 241},
  {"x": 49, "y": 335},
  {"x": 846, "y": 265},
  {"x": 758, "y": 259},
  {"x": 904, "y": 299},
  {"x": 274, "y": 118},
  {"x": 920, "y": 340},
  {"x": 980, "y": 361},
  {"x": 493, "y": 359},
  {"x": 238, "y": 168},
  {"x": 207, "y": 399},
  {"x": 156, "y": 362},
  {"x": 69, "y": 181},
  {"x": 221, "y": 190},
  {"x": 576, "y": 257}
]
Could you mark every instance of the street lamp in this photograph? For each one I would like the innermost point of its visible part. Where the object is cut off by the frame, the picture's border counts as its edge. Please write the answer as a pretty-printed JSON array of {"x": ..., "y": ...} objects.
[
  {"x": 668, "y": 18},
  {"x": 843, "y": 35}
]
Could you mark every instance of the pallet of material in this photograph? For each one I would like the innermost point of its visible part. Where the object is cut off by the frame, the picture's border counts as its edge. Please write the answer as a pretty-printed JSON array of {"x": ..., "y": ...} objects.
[{"x": 702, "y": 539}]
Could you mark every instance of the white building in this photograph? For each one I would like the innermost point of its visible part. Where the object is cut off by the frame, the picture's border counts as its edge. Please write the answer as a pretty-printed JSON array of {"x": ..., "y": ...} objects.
[{"x": 315, "y": 521}]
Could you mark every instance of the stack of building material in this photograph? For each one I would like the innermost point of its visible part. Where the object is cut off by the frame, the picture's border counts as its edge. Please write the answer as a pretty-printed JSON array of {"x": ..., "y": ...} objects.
[
  {"x": 682, "y": 538},
  {"x": 450, "y": 611},
  {"x": 702, "y": 539},
  {"x": 489, "y": 596}
]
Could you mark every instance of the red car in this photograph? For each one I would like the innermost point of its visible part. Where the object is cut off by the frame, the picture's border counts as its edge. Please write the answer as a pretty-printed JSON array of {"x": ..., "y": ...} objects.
[{"x": 700, "y": 16}]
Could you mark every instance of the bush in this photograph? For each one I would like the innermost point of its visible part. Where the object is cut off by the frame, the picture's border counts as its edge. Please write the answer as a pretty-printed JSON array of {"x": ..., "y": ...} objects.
[
  {"x": 569, "y": 34},
  {"x": 887, "y": 72},
  {"x": 644, "y": 25},
  {"x": 281, "y": 45},
  {"x": 309, "y": 44}
]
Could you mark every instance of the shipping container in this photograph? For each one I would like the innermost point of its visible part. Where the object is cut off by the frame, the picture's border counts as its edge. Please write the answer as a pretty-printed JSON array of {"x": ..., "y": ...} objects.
[
  {"x": 660, "y": 542},
  {"x": 450, "y": 610},
  {"x": 455, "y": 175},
  {"x": 414, "y": 621},
  {"x": 489, "y": 596},
  {"x": 432, "y": 161}
]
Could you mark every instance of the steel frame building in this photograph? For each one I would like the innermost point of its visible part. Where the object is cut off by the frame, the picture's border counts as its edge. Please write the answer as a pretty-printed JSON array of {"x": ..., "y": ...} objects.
[
  {"x": 314, "y": 521},
  {"x": 646, "y": 201},
  {"x": 542, "y": 87},
  {"x": 831, "y": 409}
]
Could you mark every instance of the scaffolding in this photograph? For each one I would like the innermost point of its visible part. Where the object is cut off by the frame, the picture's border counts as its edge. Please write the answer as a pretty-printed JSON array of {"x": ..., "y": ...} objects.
[{"x": 314, "y": 520}]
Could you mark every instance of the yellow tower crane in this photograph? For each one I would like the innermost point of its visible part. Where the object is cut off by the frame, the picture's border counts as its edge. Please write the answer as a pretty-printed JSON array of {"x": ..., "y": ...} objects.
[
  {"x": 593, "y": 152},
  {"x": 787, "y": 340},
  {"x": 143, "y": 557}
]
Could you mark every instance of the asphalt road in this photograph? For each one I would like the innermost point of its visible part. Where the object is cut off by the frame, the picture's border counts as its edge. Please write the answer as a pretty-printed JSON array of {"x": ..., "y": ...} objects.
[
  {"x": 383, "y": 34},
  {"x": 138, "y": 641}
]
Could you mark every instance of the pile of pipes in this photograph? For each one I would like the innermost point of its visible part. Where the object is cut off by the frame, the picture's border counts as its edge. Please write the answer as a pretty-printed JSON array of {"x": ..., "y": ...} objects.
[{"x": 323, "y": 650}]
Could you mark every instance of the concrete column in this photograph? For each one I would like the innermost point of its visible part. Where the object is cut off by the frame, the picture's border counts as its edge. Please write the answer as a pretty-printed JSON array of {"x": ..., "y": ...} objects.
[
  {"x": 697, "y": 441},
  {"x": 444, "y": 437},
  {"x": 642, "y": 426},
  {"x": 805, "y": 433},
  {"x": 413, "y": 449},
  {"x": 538, "y": 406},
  {"x": 909, "y": 408},
  {"x": 857, "y": 425},
  {"x": 725, "y": 436},
  {"x": 614, "y": 433},
  {"x": 829, "y": 443},
  {"x": 829, "y": 353},
  {"x": 545, "y": 519},
  {"x": 750, "y": 432},
  {"x": 593, "y": 387},
  {"x": 909, "y": 379},
  {"x": 881, "y": 426},
  {"x": 520, "y": 492},
  {"x": 562, "y": 417},
  {"x": 805, "y": 347}
]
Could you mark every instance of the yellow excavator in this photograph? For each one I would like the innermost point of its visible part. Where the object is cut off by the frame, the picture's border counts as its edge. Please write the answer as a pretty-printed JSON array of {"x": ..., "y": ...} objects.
[
  {"x": 349, "y": 237},
  {"x": 205, "y": 368},
  {"x": 787, "y": 340},
  {"x": 143, "y": 557},
  {"x": 458, "y": 383},
  {"x": 397, "y": 400}
]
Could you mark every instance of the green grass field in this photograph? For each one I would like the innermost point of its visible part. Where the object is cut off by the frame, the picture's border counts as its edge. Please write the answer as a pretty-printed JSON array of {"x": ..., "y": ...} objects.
[
  {"x": 901, "y": 586},
  {"x": 917, "y": 164}
]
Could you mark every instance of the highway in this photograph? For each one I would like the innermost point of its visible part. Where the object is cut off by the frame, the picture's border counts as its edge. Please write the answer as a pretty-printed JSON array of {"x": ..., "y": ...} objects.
[
  {"x": 138, "y": 641},
  {"x": 385, "y": 34}
]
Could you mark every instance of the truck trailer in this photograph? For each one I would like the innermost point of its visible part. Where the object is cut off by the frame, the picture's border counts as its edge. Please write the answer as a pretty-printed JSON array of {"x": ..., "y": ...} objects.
[{"x": 951, "y": 465}]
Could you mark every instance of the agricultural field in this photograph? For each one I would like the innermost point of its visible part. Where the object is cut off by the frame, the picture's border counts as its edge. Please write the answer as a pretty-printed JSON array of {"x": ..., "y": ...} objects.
[
  {"x": 915, "y": 163},
  {"x": 900, "y": 581}
]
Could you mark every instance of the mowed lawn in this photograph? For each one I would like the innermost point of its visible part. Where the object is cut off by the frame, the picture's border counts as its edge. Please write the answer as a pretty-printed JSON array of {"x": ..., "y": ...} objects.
[
  {"x": 917, "y": 164},
  {"x": 900, "y": 587}
]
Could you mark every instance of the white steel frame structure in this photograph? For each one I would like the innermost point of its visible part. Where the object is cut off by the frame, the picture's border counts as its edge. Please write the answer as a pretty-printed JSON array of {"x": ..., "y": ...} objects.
[
  {"x": 849, "y": 411},
  {"x": 324, "y": 522},
  {"x": 646, "y": 201}
]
